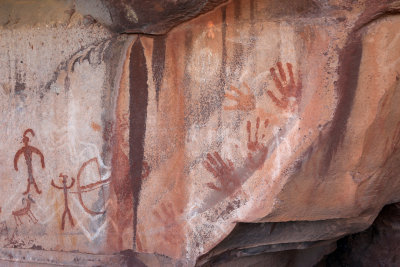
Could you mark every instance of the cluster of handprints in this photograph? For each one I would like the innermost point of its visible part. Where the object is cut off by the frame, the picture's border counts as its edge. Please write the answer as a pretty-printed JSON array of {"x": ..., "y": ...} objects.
[{"x": 229, "y": 177}]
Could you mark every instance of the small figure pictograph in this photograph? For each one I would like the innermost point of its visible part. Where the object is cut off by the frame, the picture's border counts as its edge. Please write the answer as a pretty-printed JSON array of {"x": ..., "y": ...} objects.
[
  {"x": 65, "y": 188},
  {"x": 28, "y": 151},
  {"x": 26, "y": 210}
]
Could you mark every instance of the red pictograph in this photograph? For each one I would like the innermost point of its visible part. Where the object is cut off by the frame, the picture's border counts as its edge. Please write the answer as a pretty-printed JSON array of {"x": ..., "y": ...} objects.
[
  {"x": 28, "y": 151},
  {"x": 228, "y": 177},
  {"x": 25, "y": 211},
  {"x": 65, "y": 189},
  {"x": 255, "y": 145},
  {"x": 286, "y": 88},
  {"x": 224, "y": 172},
  {"x": 257, "y": 150},
  {"x": 89, "y": 187}
]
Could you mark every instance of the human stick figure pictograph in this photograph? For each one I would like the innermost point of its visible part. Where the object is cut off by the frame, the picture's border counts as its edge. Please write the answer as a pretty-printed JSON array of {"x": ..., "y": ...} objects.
[
  {"x": 65, "y": 188},
  {"x": 28, "y": 151}
]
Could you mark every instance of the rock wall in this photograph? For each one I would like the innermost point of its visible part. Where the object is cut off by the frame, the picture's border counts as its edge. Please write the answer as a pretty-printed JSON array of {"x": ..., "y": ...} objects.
[{"x": 258, "y": 132}]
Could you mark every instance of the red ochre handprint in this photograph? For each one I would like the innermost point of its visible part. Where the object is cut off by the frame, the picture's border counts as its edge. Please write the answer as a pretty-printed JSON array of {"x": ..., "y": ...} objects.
[
  {"x": 229, "y": 177},
  {"x": 257, "y": 150},
  {"x": 287, "y": 89},
  {"x": 245, "y": 102},
  {"x": 223, "y": 171},
  {"x": 255, "y": 145}
]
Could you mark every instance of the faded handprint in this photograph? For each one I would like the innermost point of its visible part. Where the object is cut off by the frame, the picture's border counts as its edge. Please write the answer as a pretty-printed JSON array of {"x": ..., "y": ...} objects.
[
  {"x": 287, "y": 89},
  {"x": 222, "y": 171},
  {"x": 245, "y": 102},
  {"x": 167, "y": 216},
  {"x": 257, "y": 151},
  {"x": 173, "y": 228}
]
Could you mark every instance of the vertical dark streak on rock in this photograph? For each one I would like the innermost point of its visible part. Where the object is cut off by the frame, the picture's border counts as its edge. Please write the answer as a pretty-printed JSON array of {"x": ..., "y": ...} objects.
[
  {"x": 10, "y": 78},
  {"x": 158, "y": 62},
  {"x": 350, "y": 60},
  {"x": 236, "y": 64},
  {"x": 237, "y": 11},
  {"x": 349, "y": 68},
  {"x": 222, "y": 81},
  {"x": 137, "y": 116},
  {"x": 107, "y": 53},
  {"x": 252, "y": 17},
  {"x": 224, "y": 53},
  {"x": 252, "y": 30},
  {"x": 106, "y": 117},
  {"x": 188, "y": 56},
  {"x": 186, "y": 76}
]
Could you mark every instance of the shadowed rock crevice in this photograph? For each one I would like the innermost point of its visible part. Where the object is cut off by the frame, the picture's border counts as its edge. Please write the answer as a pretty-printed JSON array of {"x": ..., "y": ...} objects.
[
  {"x": 376, "y": 246},
  {"x": 272, "y": 240},
  {"x": 258, "y": 244}
]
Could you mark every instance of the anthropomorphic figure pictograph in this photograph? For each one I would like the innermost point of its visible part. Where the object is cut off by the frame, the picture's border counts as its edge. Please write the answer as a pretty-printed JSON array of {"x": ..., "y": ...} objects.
[
  {"x": 28, "y": 151},
  {"x": 65, "y": 188}
]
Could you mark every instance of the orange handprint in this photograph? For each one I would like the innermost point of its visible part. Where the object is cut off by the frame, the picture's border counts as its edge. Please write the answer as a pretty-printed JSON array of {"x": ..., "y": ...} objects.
[
  {"x": 287, "y": 89},
  {"x": 245, "y": 102}
]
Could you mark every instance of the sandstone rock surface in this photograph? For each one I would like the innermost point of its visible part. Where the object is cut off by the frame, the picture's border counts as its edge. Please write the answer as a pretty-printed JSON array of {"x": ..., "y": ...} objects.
[{"x": 258, "y": 132}]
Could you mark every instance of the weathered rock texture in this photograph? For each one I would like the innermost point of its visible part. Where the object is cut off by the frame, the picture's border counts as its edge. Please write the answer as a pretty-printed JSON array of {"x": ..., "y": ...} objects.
[{"x": 260, "y": 132}]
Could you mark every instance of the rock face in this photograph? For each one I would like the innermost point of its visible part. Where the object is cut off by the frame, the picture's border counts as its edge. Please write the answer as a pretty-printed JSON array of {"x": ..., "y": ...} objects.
[{"x": 260, "y": 132}]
